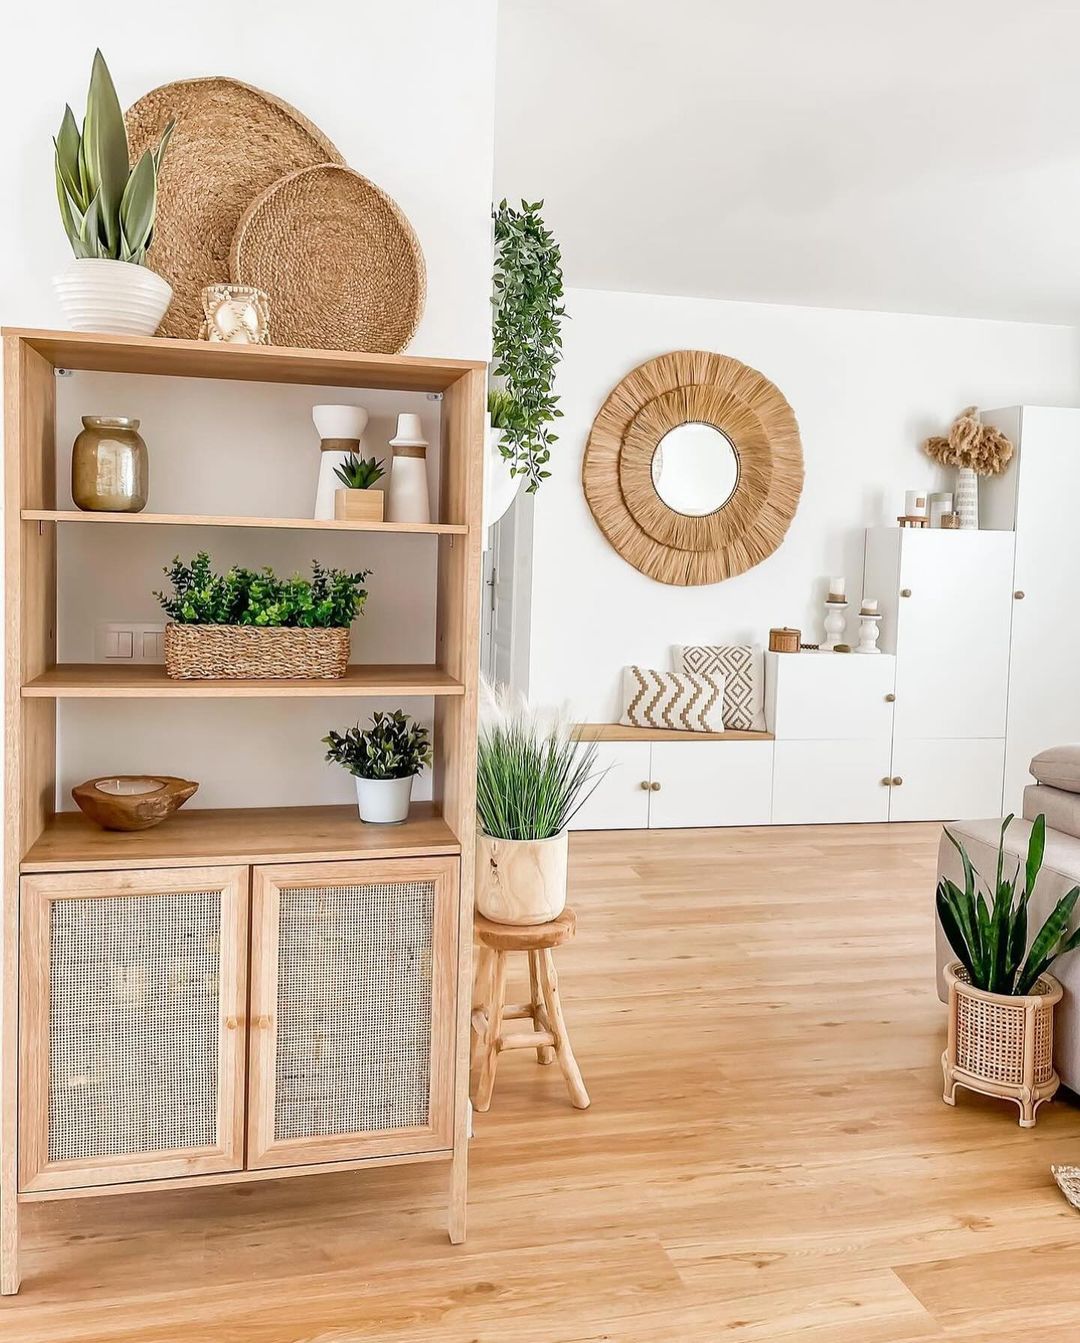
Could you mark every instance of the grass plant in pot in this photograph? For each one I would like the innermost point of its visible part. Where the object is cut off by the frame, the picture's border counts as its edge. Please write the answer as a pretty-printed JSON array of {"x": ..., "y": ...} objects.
[
  {"x": 384, "y": 761},
  {"x": 1001, "y": 998},
  {"x": 248, "y": 624},
  {"x": 107, "y": 208},
  {"x": 532, "y": 776}
]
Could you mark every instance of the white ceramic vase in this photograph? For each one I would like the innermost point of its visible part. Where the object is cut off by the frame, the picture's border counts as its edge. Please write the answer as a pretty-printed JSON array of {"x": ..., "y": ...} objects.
[
  {"x": 521, "y": 881},
  {"x": 96, "y": 294},
  {"x": 500, "y": 487},
  {"x": 407, "y": 499},
  {"x": 341, "y": 432},
  {"x": 384, "y": 801},
  {"x": 967, "y": 499}
]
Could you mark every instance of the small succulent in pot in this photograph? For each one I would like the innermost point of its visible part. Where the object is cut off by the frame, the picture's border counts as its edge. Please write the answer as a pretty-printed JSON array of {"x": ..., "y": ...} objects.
[
  {"x": 384, "y": 759},
  {"x": 359, "y": 501},
  {"x": 359, "y": 473}
]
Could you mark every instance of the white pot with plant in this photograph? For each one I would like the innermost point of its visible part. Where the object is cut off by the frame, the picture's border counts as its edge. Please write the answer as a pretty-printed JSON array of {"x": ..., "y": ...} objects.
[
  {"x": 1001, "y": 998},
  {"x": 526, "y": 347},
  {"x": 532, "y": 776},
  {"x": 974, "y": 449},
  {"x": 384, "y": 761},
  {"x": 358, "y": 500},
  {"x": 107, "y": 208}
]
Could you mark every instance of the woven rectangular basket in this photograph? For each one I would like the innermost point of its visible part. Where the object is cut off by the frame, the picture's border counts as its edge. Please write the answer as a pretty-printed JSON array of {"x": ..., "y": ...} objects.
[{"x": 245, "y": 652}]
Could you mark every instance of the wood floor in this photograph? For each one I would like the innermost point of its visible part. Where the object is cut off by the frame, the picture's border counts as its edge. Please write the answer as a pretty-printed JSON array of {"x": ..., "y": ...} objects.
[{"x": 767, "y": 1156}]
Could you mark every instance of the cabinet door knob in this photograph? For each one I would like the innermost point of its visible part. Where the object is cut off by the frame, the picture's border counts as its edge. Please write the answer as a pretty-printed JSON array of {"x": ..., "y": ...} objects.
[
  {"x": 890, "y": 698},
  {"x": 645, "y": 785},
  {"x": 905, "y": 592},
  {"x": 654, "y": 786},
  {"x": 231, "y": 1023},
  {"x": 886, "y": 782},
  {"x": 897, "y": 781},
  {"x": 264, "y": 1023},
  {"x": 1018, "y": 595}
]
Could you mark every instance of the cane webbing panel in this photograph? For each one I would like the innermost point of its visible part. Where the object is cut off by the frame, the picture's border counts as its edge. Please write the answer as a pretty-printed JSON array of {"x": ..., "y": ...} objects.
[
  {"x": 133, "y": 1024},
  {"x": 353, "y": 1008}
]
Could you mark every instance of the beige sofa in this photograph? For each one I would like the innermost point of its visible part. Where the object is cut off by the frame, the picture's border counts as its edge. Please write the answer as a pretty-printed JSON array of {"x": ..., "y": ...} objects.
[{"x": 1057, "y": 794}]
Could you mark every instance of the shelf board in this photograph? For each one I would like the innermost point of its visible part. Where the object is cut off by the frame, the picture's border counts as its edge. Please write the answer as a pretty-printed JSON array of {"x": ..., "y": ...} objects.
[
  {"x": 224, "y": 520},
  {"x": 71, "y": 842},
  {"x": 619, "y": 732},
  {"x": 248, "y": 363},
  {"x": 96, "y": 680}
]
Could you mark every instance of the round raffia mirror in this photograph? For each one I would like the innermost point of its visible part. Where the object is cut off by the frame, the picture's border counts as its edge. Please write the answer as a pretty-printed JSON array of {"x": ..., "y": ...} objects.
[{"x": 693, "y": 468}]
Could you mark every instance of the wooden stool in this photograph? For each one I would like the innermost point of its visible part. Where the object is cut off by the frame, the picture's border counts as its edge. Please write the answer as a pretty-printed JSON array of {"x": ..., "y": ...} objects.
[{"x": 544, "y": 1009}]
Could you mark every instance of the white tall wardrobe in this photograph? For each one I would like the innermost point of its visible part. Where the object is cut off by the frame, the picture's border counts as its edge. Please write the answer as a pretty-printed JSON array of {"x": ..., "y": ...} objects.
[{"x": 1037, "y": 498}]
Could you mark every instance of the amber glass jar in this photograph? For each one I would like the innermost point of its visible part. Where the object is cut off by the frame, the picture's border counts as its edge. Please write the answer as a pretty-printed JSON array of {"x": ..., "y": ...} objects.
[{"x": 110, "y": 471}]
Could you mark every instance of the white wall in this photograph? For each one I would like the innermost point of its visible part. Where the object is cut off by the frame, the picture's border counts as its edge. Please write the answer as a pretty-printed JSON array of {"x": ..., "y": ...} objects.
[
  {"x": 404, "y": 90},
  {"x": 866, "y": 389}
]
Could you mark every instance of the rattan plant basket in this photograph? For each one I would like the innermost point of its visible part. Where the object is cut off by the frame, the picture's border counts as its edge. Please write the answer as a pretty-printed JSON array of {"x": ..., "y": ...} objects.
[
  {"x": 244, "y": 652},
  {"x": 1000, "y": 1045}
]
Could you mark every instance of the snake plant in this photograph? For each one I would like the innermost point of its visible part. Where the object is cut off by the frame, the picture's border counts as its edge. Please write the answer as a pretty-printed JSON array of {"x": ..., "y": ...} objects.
[
  {"x": 990, "y": 938},
  {"x": 359, "y": 473},
  {"x": 107, "y": 207}
]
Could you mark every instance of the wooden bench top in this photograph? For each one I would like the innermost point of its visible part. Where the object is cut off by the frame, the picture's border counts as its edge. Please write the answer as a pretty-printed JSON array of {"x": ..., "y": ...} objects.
[{"x": 618, "y": 732}]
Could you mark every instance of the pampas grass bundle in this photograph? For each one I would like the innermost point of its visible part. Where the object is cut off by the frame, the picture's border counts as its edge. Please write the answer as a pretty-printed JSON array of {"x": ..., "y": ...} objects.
[{"x": 980, "y": 447}]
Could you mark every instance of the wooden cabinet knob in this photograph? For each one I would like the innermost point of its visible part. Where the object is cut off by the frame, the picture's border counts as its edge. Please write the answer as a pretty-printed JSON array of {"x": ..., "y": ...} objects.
[
  {"x": 897, "y": 781},
  {"x": 654, "y": 786},
  {"x": 645, "y": 785},
  {"x": 890, "y": 698},
  {"x": 886, "y": 782},
  {"x": 1018, "y": 595},
  {"x": 231, "y": 1023},
  {"x": 905, "y": 592},
  {"x": 264, "y": 1023}
]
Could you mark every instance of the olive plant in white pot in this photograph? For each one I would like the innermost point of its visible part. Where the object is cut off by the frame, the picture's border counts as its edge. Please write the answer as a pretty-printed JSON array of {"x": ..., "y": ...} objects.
[
  {"x": 107, "y": 208},
  {"x": 384, "y": 761},
  {"x": 532, "y": 776}
]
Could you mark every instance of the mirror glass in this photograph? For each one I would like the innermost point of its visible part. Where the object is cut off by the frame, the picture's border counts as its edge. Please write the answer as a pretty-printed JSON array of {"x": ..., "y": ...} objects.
[{"x": 695, "y": 469}]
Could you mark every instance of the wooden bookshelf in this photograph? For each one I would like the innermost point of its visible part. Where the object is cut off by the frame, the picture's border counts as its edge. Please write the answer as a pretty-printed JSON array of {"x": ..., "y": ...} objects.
[
  {"x": 96, "y": 680},
  {"x": 222, "y": 520},
  {"x": 71, "y": 842},
  {"x": 246, "y": 857}
]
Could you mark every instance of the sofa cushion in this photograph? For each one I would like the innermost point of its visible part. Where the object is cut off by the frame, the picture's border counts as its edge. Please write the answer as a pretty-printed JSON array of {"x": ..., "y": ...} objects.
[
  {"x": 1061, "y": 809},
  {"x": 1058, "y": 767}
]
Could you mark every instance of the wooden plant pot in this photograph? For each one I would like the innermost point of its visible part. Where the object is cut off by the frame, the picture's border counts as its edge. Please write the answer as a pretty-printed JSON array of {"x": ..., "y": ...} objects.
[
  {"x": 249, "y": 652},
  {"x": 521, "y": 881},
  {"x": 1000, "y": 1045},
  {"x": 359, "y": 505}
]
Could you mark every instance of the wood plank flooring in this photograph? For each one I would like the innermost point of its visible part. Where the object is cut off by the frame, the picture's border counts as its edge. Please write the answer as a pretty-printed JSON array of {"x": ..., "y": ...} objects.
[{"x": 767, "y": 1156}]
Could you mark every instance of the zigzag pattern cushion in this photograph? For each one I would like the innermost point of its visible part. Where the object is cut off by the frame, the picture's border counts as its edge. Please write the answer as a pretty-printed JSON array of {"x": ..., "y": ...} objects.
[
  {"x": 742, "y": 668},
  {"x": 670, "y": 700}
]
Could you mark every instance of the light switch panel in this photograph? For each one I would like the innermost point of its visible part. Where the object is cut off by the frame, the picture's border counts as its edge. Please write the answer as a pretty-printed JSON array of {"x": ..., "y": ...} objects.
[{"x": 129, "y": 641}]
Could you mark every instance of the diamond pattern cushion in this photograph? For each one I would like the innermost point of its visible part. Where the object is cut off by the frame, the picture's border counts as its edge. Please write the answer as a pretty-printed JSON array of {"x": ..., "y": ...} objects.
[
  {"x": 669, "y": 700},
  {"x": 743, "y": 669}
]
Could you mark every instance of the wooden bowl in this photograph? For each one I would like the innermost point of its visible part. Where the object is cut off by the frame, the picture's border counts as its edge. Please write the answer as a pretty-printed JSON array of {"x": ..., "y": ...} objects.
[{"x": 132, "y": 801}]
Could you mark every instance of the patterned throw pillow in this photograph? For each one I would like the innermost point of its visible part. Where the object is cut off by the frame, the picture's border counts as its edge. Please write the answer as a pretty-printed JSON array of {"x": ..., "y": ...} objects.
[
  {"x": 743, "y": 668},
  {"x": 669, "y": 700}
]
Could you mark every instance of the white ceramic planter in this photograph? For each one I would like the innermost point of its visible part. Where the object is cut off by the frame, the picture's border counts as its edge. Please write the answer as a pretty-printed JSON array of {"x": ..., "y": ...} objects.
[
  {"x": 521, "y": 881},
  {"x": 112, "y": 296},
  {"x": 341, "y": 432},
  {"x": 384, "y": 801},
  {"x": 500, "y": 487}
]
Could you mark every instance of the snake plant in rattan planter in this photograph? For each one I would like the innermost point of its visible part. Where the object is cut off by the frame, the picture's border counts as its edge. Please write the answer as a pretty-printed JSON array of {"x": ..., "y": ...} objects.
[{"x": 1001, "y": 998}]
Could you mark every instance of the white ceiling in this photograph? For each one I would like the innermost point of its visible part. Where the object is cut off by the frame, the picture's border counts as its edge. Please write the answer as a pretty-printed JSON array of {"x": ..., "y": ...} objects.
[{"x": 904, "y": 155}]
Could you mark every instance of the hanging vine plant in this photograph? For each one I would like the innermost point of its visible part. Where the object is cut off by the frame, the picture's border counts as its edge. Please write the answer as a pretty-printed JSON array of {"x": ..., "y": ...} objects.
[{"x": 526, "y": 340}]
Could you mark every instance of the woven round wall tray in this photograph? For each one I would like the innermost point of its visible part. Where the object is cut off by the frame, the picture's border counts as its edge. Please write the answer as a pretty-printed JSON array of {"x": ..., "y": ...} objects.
[
  {"x": 699, "y": 387},
  {"x": 231, "y": 142},
  {"x": 339, "y": 260}
]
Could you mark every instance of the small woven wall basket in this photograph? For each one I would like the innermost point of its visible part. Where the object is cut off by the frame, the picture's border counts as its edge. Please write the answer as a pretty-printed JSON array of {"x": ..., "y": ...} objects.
[
  {"x": 243, "y": 652},
  {"x": 340, "y": 261}
]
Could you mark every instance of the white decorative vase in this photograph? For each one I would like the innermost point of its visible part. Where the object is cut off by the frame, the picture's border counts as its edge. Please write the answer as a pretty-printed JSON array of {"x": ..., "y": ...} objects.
[
  {"x": 500, "y": 487},
  {"x": 116, "y": 297},
  {"x": 341, "y": 433},
  {"x": 967, "y": 499},
  {"x": 408, "y": 494},
  {"x": 521, "y": 881},
  {"x": 384, "y": 801}
]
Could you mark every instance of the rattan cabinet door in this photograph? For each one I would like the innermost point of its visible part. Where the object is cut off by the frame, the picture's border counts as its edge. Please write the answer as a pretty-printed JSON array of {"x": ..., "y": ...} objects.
[
  {"x": 353, "y": 968},
  {"x": 131, "y": 1034}
]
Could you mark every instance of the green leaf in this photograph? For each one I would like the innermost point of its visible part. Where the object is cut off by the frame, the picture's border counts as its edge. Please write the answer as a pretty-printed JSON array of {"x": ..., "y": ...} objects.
[
  {"x": 88, "y": 233},
  {"x": 67, "y": 160},
  {"x": 954, "y": 933},
  {"x": 1036, "y": 849},
  {"x": 137, "y": 205},
  {"x": 1044, "y": 948},
  {"x": 105, "y": 150}
]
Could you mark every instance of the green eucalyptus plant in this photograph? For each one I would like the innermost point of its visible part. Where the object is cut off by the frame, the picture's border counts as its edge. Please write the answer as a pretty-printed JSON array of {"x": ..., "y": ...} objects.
[
  {"x": 393, "y": 747},
  {"x": 331, "y": 598},
  {"x": 990, "y": 938},
  {"x": 107, "y": 207},
  {"x": 359, "y": 473},
  {"x": 526, "y": 339}
]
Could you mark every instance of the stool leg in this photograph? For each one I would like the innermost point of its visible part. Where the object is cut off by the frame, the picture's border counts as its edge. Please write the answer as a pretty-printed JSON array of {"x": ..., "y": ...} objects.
[
  {"x": 549, "y": 981},
  {"x": 545, "y": 1054},
  {"x": 482, "y": 977},
  {"x": 489, "y": 1046},
  {"x": 481, "y": 989}
]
